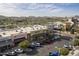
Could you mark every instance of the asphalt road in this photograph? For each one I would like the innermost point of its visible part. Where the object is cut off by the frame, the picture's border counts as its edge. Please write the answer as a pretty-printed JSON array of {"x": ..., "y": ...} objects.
[{"x": 44, "y": 51}]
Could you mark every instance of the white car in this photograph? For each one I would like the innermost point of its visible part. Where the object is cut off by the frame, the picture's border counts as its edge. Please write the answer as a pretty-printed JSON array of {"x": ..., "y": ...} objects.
[
  {"x": 18, "y": 50},
  {"x": 68, "y": 46},
  {"x": 36, "y": 44}
]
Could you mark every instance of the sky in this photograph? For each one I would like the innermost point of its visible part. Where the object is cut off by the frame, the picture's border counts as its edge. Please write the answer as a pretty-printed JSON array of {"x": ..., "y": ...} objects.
[{"x": 39, "y": 9}]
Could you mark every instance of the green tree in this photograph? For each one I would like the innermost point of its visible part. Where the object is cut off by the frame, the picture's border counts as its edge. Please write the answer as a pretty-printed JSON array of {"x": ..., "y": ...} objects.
[
  {"x": 76, "y": 42},
  {"x": 64, "y": 51},
  {"x": 24, "y": 44}
]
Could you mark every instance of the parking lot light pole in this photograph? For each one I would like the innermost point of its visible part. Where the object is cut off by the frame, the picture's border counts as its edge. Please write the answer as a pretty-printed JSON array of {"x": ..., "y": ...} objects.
[{"x": 7, "y": 45}]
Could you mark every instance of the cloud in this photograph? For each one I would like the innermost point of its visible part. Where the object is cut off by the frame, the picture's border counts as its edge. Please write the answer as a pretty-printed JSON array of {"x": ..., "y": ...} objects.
[
  {"x": 8, "y": 9},
  {"x": 28, "y": 9},
  {"x": 38, "y": 6}
]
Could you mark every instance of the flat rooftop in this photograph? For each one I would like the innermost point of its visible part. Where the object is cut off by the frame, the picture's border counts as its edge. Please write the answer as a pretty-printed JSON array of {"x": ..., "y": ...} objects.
[{"x": 22, "y": 30}]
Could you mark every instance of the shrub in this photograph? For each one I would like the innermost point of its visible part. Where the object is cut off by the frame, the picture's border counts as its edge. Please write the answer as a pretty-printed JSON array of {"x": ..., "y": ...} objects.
[
  {"x": 64, "y": 51},
  {"x": 24, "y": 44}
]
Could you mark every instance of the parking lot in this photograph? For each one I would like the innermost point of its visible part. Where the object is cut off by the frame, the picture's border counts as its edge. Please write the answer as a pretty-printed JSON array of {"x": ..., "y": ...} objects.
[{"x": 44, "y": 51}]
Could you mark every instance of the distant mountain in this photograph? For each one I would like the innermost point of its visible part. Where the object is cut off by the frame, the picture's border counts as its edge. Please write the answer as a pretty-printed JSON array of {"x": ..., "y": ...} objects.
[
  {"x": 17, "y": 18},
  {"x": 34, "y": 18},
  {"x": 2, "y": 17}
]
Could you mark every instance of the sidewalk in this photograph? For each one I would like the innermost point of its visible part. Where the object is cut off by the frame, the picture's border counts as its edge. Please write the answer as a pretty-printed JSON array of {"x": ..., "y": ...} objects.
[{"x": 75, "y": 53}]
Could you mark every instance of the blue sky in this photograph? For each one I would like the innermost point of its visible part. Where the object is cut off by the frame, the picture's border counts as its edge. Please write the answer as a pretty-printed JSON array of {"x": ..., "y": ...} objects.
[{"x": 39, "y": 9}]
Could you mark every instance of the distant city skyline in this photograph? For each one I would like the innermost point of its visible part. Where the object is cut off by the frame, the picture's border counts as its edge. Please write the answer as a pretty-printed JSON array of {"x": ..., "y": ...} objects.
[{"x": 39, "y": 9}]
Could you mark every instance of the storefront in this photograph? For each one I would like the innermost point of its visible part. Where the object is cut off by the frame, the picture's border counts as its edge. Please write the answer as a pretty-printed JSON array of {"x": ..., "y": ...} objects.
[{"x": 18, "y": 37}]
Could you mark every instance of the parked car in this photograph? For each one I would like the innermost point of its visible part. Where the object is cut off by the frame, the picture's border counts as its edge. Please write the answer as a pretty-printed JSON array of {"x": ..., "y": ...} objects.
[
  {"x": 1, "y": 54},
  {"x": 68, "y": 47},
  {"x": 28, "y": 50},
  {"x": 36, "y": 44},
  {"x": 11, "y": 53},
  {"x": 18, "y": 50},
  {"x": 56, "y": 37},
  {"x": 55, "y": 53},
  {"x": 32, "y": 47}
]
